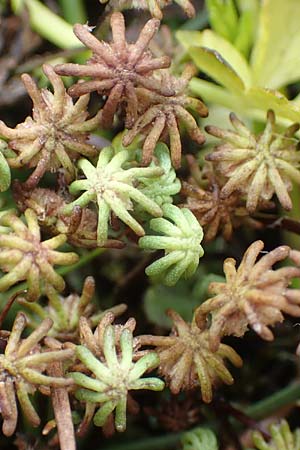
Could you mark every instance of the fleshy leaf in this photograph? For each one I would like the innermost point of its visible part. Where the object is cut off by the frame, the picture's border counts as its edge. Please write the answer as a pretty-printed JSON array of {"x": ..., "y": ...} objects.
[
  {"x": 5, "y": 177},
  {"x": 282, "y": 438},
  {"x": 199, "y": 439}
]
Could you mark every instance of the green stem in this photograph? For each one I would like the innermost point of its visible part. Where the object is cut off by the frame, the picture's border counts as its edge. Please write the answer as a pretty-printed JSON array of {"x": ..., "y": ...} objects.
[
  {"x": 271, "y": 404},
  {"x": 82, "y": 262},
  {"x": 73, "y": 11}
]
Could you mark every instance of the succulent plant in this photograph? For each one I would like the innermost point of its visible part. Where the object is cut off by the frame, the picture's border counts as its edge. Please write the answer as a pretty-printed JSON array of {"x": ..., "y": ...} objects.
[
  {"x": 258, "y": 166},
  {"x": 55, "y": 135},
  {"x": 186, "y": 359},
  {"x": 161, "y": 115},
  {"x": 248, "y": 87},
  {"x": 215, "y": 213},
  {"x": 161, "y": 189},
  {"x": 21, "y": 372},
  {"x": 112, "y": 188},
  {"x": 80, "y": 227},
  {"x": 177, "y": 413},
  {"x": 253, "y": 295},
  {"x": 124, "y": 169},
  {"x": 116, "y": 68},
  {"x": 67, "y": 311},
  {"x": 180, "y": 237},
  {"x": 199, "y": 439},
  {"x": 5, "y": 175},
  {"x": 282, "y": 438},
  {"x": 93, "y": 340},
  {"x": 26, "y": 257},
  {"x": 114, "y": 377}
]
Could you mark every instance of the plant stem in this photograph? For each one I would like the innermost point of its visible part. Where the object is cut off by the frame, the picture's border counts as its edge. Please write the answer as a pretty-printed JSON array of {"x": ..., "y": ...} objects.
[
  {"x": 62, "y": 409},
  {"x": 74, "y": 11},
  {"x": 82, "y": 262},
  {"x": 269, "y": 405}
]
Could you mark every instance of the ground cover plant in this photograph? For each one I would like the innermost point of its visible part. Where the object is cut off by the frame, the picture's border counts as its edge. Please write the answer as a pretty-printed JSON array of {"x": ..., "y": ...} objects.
[{"x": 149, "y": 224}]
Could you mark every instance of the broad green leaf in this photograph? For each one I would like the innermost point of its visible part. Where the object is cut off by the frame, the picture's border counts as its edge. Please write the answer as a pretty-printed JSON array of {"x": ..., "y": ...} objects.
[
  {"x": 229, "y": 53},
  {"x": 271, "y": 99},
  {"x": 199, "y": 439},
  {"x": 223, "y": 17},
  {"x": 244, "y": 37},
  {"x": 212, "y": 93},
  {"x": 189, "y": 38},
  {"x": 247, "y": 25},
  {"x": 74, "y": 11},
  {"x": 159, "y": 298},
  {"x": 248, "y": 5},
  {"x": 184, "y": 298},
  {"x": 250, "y": 90},
  {"x": 213, "y": 64},
  {"x": 226, "y": 63},
  {"x": 5, "y": 178},
  {"x": 237, "y": 25},
  {"x": 252, "y": 103},
  {"x": 276, "y": 54}
]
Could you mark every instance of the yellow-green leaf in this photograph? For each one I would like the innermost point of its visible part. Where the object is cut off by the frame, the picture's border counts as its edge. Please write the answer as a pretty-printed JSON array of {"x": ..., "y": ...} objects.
[
  {"x": 249, "y": 10},
  {"x": 252, "y": 103},
  {"x": 271, "y": 99},
  {"x": 189, "y": 38},
  {"x": 213, "y": 64},
  {"x": 276, "y": 54},
  {"x": 212, "y": 93},
  {"x": 223, "y": 17},
  {"x": 230, "y": 54}
]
